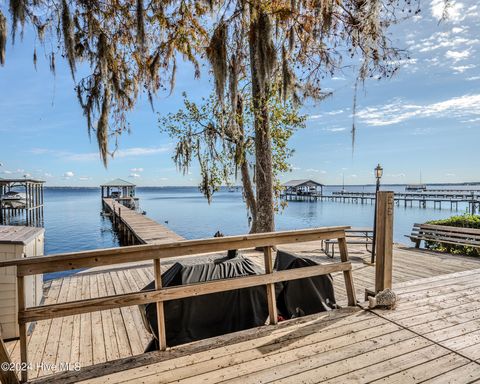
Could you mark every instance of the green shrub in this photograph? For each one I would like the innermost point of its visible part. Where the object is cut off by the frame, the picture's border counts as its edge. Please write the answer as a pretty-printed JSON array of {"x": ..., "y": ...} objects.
[{"x": 463, "y": 221}]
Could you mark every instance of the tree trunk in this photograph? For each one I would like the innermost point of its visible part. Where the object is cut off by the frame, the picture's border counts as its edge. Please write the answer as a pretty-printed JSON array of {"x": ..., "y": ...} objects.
[
  {"x": 248, "y": 190},
  {"x": 249, "y": 195},
  {"x": 260, "y": 71}
]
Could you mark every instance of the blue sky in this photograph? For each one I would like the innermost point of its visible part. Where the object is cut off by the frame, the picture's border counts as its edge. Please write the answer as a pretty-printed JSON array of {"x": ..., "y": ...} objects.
[{"x": 426, "y": 119}]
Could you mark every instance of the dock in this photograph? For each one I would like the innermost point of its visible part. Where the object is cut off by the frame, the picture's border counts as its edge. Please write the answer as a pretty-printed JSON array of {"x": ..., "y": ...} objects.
[
  {"x": 433, "y": 331},
  {"x": 135, "y": 228},
  {"x": 453, "y": 200}
]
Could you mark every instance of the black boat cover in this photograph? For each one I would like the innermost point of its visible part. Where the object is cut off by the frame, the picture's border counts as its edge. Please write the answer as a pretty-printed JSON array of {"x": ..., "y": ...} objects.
[
  {"x": 215, "y": 314},
  {"x": 303, "y": 296}
]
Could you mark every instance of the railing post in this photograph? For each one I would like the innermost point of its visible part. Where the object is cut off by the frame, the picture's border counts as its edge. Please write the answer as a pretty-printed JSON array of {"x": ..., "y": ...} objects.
[
  {"x": 384, "y": 239},
  {"x": 22, "y": 329},
  {"x": 347, "y": 275},
  {"x": 162, "y": 336},
  {"x": 272, "y": 301}
]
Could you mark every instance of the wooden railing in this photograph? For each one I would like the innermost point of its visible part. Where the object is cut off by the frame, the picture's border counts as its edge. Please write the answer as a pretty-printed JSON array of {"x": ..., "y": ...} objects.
[{"x": 88, "y": 259}]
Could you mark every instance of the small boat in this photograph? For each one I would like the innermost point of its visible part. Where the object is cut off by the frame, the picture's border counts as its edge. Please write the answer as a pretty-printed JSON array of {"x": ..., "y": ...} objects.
[
  {"x": 416, "y": 187},
  {"x": 13, "y": 199}
]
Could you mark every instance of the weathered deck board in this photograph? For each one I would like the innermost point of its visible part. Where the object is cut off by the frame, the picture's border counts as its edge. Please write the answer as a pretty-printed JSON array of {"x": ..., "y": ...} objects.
[
  {"x": 441, "y": 306},
  {"x": 146, "y": 230},
  {"x": 340, "y": 347}
]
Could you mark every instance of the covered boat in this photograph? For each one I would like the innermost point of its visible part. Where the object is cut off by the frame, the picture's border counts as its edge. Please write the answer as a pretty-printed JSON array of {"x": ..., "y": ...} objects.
[
  {"x": 215, "y": 314},
  {"x": 201, "y": 317}
]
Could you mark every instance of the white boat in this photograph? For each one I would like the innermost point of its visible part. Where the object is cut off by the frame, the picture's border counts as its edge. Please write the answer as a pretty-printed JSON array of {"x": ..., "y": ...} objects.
[
  {"x": 416, "y": 187},
  {"x": 13, "y": 199}
]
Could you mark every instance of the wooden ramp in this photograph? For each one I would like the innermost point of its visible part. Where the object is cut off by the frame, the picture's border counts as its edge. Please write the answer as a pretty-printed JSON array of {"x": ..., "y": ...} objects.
[
  {"x": 433, "y": 336},
  {"x": 136, "y": 226}
]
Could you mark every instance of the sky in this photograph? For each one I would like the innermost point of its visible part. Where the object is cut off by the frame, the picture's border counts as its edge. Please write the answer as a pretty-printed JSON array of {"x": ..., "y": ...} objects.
[{"x": 425, "y": 121}]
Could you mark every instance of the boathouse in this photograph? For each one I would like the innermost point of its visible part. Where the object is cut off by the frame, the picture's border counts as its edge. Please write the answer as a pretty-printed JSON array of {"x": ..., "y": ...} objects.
[
  {"x": 21, "y": 201},
  {"x": 304, "y": 187},
  {"x": 118, "y": 188}
]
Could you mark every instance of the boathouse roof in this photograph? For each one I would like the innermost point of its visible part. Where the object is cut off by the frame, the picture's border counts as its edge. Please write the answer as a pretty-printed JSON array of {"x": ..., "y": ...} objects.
[
  {"x": 302, "y": 183},
  {"x": 118, "y": 183},
  {"x": 21, "y": 181}
]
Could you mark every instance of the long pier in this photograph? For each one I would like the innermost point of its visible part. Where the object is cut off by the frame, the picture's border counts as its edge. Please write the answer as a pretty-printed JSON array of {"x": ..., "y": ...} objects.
[
  {"x": 136, "y": 228},
  {"x": 406, "y": 199}
]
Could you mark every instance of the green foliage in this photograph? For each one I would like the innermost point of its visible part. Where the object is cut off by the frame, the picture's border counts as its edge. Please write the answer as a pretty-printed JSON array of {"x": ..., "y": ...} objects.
[
  {"x": 211, "y": 134},
  {"x": 463, "y": 221}
]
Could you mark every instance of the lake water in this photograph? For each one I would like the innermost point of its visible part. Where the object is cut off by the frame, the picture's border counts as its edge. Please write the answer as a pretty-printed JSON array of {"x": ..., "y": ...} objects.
[{"x": 73, "y": 221}]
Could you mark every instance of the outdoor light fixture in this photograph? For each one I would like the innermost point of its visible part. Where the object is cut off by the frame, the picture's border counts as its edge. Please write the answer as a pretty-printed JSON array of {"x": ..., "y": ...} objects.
[
  {"x": 378, "y": 172},
  {"x": 378, "y": 175}
]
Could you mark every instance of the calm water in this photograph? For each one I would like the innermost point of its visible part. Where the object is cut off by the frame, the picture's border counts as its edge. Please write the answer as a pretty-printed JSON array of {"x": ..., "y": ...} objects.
[{"x": 73, "y": 221}]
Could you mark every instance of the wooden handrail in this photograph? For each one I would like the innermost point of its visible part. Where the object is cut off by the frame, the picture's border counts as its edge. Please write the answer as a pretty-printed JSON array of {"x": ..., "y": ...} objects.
[
  {"x": 90, "y": 259},
  {"x": 86, "y": 259}
]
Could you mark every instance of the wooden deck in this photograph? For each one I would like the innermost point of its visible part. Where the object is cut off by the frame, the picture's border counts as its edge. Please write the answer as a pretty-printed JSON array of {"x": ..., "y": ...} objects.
[
  {"x": 424, "y": 279},
  {"x": 143, "y": 229},
  {"x": 432, "y": 336}
]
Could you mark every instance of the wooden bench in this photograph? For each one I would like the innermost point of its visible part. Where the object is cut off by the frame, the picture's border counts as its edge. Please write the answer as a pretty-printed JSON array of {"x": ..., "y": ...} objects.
[
  {"x": 469, "y": 237},
  {"x": 362, "y": 236}
]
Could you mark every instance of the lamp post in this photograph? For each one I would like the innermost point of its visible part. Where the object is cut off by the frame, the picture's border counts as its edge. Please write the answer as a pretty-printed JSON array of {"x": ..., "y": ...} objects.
[{"x": 378, "y": 175}]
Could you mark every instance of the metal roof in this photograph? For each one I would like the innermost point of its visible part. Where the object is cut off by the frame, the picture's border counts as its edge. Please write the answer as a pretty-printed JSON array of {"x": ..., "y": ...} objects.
[
  {"x": 24, "y": 180},
  {"x": 118, "y": 183},
  {"x": 301, "y": 182}
]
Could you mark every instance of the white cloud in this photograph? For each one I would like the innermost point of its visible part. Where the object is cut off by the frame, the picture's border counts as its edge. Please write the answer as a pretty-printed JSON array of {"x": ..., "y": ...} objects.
[
  {"x": 89, "y": 156},
  {"x": 399, "y": 111},
  {"x": 163, "y": 178},
  {"x": 333, "y": 113},
  {"x": 335, "y": 129},
  {"x": 450, "y": 174},
  {"x": 473, "y": 78},
  {"x": 463, "y": 68},
  {"x": 396, "y": 175},
  {"x": 84, "y": 178},
  {"x": 136, "y": 170},
  {"x": 134, "y": 175},
  {"x": 316, "y": 170},
  {"x": 47, "y": 175},
  {"x": 451, "y": 10},
  {"x": 68, "y": 174},
  {"x": 457, "y": 55},
  {"x": 7, "y": 172}
]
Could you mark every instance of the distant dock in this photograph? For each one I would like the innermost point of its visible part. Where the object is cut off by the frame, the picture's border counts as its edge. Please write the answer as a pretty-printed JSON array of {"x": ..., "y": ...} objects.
[
  {"x": 406, "y": 199},
  {"x": 136, "y": 228}
]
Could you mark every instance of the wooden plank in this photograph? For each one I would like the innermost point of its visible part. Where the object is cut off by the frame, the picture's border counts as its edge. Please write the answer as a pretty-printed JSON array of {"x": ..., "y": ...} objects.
[
  {"x": 467, "y": 373},
  {"x": 425, "y": 371},
  {"x": 7, "y": 376},
  {"x": 271, "y": 299},
  {"x": 109, "y": 302},
  {"x": 110, "y": 342}
]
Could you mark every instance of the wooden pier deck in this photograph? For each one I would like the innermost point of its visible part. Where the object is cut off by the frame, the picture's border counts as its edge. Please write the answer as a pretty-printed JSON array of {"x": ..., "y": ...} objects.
[
  {"x": 454, "y": 201},
  {"x": 432, "y": 336},
  {"x": 426, "y": 331},
  {"x": 136, "y": 228}
]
